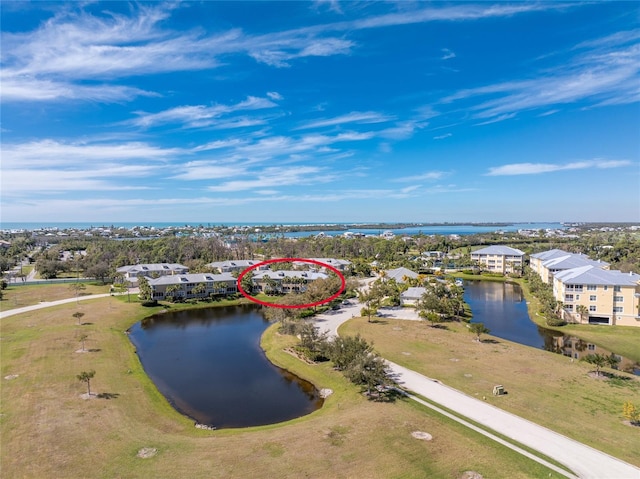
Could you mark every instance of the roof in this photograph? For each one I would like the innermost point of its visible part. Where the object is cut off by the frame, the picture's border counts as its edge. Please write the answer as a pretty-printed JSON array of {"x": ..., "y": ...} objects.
[
  {"x": 191, "y": 278},
  {"x": 329, "y": 261},
  {"x": 414, "y": 293},
  {"x": 590, "y": 274},
  {"x": 309, "y": 275},
  {"x": 151, "y": 267},
  {"x": 234, "y": 263},
  {"x": 499, "y": 250},
  {"x": 571, "y": 260},
  {"x": 399, "y": 273},
  {"x": 551, "y": 254}
]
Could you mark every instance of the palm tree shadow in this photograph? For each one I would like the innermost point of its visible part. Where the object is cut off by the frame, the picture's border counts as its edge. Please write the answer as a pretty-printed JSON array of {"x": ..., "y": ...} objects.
[{"x": 108, "y": 395}]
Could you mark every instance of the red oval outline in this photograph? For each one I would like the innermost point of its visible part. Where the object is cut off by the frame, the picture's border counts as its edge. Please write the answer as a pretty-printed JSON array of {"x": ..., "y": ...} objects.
[{"x": 343, "y": 284}]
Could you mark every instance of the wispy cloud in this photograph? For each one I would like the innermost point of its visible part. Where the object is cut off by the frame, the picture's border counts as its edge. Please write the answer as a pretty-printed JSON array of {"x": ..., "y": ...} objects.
[
  {"x": 447, "y": 54},
  {"x": 537, "y": 168},
  {"x": 428, "y": 176},
  {"x": 275, "y": 176},
  {"x": 360, "y": 117},
  {"x": 198, "y": 116},
  {"x": 442, "y": 137},
  {"x": 73, "y": 47},
  {"x": 605, "y": 74}
]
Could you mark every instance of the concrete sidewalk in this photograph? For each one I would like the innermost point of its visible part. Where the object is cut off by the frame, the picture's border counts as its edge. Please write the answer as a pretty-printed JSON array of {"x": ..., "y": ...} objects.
[{"x": 583, "y": 460}]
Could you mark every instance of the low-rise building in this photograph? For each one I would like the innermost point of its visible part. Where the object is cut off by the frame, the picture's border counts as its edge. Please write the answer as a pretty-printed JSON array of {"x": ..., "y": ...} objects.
[
  {"x": 342, "y": 265},
  {"x": 235, "y": 265},
  {"x": 195, "y": 285},
  {"x": 131, "y": 273},
  {"x": 499, "y": 259},
  {"x": 285, "y": 281},
  {"x": 597, "y": 296},
  {"x": 411, "y": 296},
  {"x": 548, "y": 263}
]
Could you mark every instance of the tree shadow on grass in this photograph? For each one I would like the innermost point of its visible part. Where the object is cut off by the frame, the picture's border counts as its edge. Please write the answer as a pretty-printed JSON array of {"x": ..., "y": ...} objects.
[
  {"x": 108, "y": 395},
  {"x": 378, "y": 321},
  {"x": 94, "y": 350},
  {"x": 86, "y": 324}
]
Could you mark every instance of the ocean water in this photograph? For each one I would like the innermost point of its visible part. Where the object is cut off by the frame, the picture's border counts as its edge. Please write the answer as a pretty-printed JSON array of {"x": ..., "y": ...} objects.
[{"x": 412, "y": 230}]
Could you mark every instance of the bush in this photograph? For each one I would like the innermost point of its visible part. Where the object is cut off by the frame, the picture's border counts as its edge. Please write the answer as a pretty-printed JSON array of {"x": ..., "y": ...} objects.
[
  {"x": 553, "y": 321},
  {"x": 149, "y": 303}
]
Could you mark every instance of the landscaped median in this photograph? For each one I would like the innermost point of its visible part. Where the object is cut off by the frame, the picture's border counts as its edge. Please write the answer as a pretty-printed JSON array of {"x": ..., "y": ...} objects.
[{"x": 48, "y": 430}]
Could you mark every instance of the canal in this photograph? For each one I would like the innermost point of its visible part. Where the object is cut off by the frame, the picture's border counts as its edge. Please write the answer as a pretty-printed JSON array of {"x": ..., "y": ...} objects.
[{"x": 501, "y": 307}]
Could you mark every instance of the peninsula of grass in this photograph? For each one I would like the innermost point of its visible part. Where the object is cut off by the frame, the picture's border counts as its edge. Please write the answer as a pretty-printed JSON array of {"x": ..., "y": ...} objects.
[
  {"x": 48, "y": 430},
  {"x": 544, "y": 387}
]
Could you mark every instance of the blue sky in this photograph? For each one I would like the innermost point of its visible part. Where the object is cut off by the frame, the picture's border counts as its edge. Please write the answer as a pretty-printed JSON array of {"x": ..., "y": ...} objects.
[{"x": 320, "y": 111}]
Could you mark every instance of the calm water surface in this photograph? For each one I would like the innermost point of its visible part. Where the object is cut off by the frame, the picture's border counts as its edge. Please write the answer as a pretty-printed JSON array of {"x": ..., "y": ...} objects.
[
  {"x": 209, "y": 365},
  {"x": 503, "y": 309}
]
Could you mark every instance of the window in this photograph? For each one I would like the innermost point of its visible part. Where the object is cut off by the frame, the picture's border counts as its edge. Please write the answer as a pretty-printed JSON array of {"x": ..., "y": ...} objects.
[
  {"x": 618, "y": 309},
  {"x": 592, "y": 297},
  {"x": 591, "y": 287},
  {"x": 618, "y": 299},
  {"x": 577, "y": 297},
  {"x": 605, "y": 287},
  {"x": 577, "y": 287},
  {"x": 569, "y": 307},
  {"x": 591, "y": 347},
  {"x": 616, "y": 288},
  {"x": 592, "y": 308},
  {"x": 568, "y": 297}
]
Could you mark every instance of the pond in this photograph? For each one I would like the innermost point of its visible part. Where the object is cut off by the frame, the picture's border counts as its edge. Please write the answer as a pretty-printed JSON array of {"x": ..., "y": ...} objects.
[
  {"x": 209, "y": 365},
  {"x": 503, "y": 309}
]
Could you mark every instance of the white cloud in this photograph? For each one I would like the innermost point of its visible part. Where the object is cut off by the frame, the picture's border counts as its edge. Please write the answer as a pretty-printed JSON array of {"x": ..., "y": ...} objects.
[
  {"x": 197, "y": 116},
  {"x": 442, "y": 137},
  {"x": 447, "y": 54},
  {"x": 537, "y": 168},
  {"x": 430, "y": 176},
  {"x": 360, "y": 117},
  {"x": 275, "y": 176}
]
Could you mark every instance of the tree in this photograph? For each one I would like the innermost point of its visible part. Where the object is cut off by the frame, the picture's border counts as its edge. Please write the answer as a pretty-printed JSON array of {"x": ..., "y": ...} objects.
[
  {"x": 145, "y": 289},
  {"x": 433, "y": 318},
  {"x": 78, "y": 315},
  {"x": 583, "y": 311},
  {"x": 86, "y": 377},
  {"x": 199, "y": 289},
  {"x": 83, "y": 337},
  {"x": 631, "y": 412},
  {"x": 371, "y": 300},
  {"x": 172, "y": 292},
  {"x": 368, "y": 370},
  {"x": 598, "y": 360},
  {"x": 77, "y": 288},
  {"x": 478, "y": 329}
]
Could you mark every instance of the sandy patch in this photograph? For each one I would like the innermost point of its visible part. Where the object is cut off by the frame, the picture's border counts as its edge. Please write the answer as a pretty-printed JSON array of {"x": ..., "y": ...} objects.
[
  {"x": 11, "y": 376},
  {"x": 147, "y": 452},
  {"x": 325, "y": 393},
  {"x": 424, "y": 436},
  {"x": 88, "y": 396},
  {"x": 471, "y": 475}
]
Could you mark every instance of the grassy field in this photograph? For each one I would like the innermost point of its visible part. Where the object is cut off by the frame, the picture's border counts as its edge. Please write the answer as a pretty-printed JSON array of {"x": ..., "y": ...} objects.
[
  {"x": 20, "y": 296},
  {"x": 48, "y": 430},
  {"x": 544, "y": 387}
]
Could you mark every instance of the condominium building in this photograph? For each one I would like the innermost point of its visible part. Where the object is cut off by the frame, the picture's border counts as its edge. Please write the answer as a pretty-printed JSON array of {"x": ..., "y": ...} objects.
[
  {"x": 195, "y": 285},
  {"x": 285, "y": 281},
  {"x": 131, "y": 273},
  {"x": 547, "y": 263},
  {"x": 593, "y": 295},
  {"x": 235, "y": 265},
  {"x": 499, "y": 259}
]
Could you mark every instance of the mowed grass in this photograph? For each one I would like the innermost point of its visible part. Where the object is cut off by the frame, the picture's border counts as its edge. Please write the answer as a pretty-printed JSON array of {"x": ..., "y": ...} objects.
[
  {"x": 544, "y": 387},
  {"x": 48, "y": 431},
  {"x": 20, "y": 296}
]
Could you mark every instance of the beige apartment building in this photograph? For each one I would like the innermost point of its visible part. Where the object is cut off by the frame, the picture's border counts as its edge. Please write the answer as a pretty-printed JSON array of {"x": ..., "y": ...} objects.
[
  {"x": 547, "y": 263},
  {"x": 499, "y": 259},
  {"x": 187, "y": 286},
  {"x": 592, "y": 295},
  {"x": 131, "y": 273}
]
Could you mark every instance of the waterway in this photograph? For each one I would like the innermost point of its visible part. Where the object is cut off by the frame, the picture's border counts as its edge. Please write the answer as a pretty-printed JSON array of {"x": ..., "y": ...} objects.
[
  {"x": 209, "y": 365},
  {"x": 501, "y": 307}
]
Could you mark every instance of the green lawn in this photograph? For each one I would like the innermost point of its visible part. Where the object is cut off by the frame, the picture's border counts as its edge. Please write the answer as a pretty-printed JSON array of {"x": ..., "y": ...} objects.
[{"x": 47, "y": 430}]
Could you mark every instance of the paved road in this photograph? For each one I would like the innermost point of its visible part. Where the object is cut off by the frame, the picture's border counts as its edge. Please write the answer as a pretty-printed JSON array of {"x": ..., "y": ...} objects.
[
  {"x": 48, "y": 304},
  {"x": 583, "y": 460}
]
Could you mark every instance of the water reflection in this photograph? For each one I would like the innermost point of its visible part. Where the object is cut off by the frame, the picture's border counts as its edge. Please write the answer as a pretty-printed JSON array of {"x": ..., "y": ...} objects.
[
  {"x": 209, "y": 365},
  {"x": 502, "y": 309}
]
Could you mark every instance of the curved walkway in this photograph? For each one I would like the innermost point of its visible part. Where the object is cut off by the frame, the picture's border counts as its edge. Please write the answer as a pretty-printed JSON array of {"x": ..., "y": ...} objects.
[
  {"x": 583, "y": 460},
  {"x": 48, "y": 304}
]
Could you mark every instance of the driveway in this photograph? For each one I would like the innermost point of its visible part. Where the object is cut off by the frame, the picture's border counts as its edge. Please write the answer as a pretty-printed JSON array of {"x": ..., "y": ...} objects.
[{"x": 583, "y": 460}]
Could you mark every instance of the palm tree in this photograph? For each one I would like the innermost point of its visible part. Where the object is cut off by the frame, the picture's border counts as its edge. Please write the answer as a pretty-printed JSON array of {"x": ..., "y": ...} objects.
[
  {"x": 583, "y": 311},
  {"x": 86, "y": 377},
  {"x": 171, "y": 292},
  {"x": 478, "y": 329}
]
